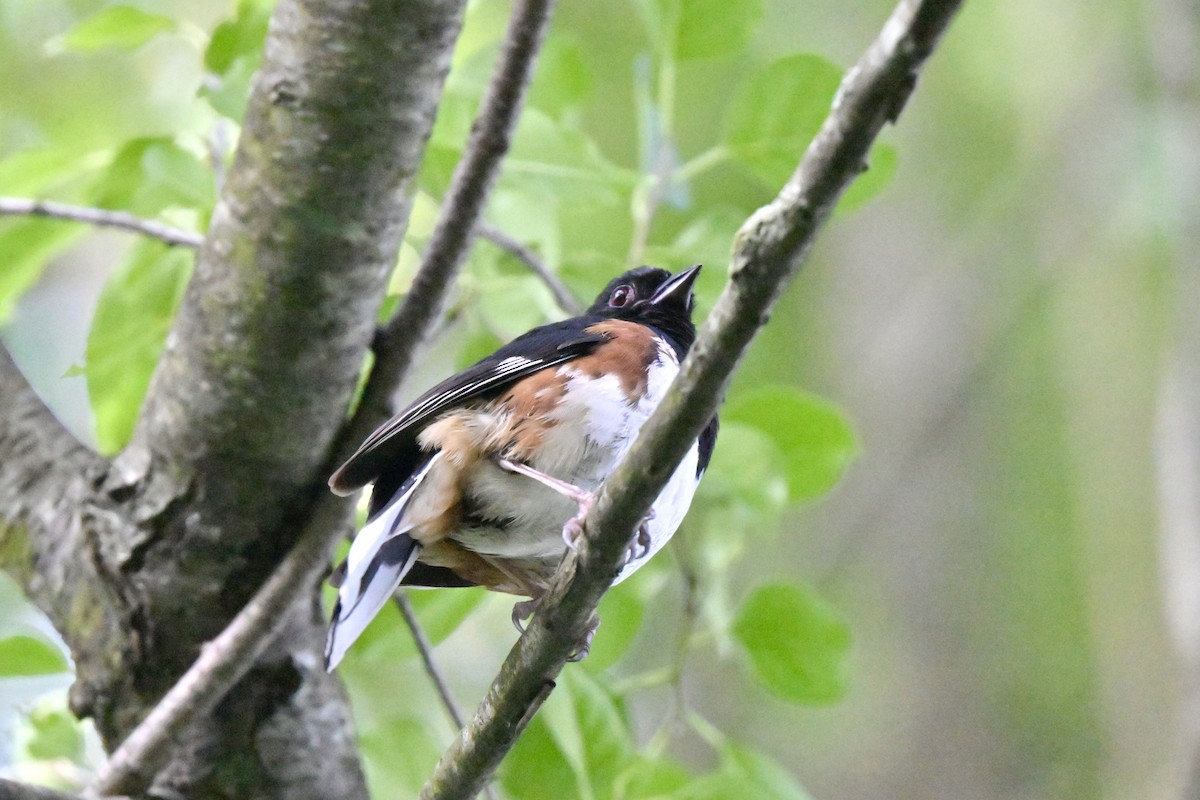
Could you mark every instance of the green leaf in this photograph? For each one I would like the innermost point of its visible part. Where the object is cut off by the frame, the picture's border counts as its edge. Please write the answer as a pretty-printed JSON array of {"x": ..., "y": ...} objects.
[
  {"x": 148, "y": 175},
  {"x": 814, "y": 437},
  {"x": 233, "y": 56},
  {"x": 398, "y": 756},
  {"x": 562, "y": 80},
  {"x": 120, "y": 27},
  {"x": 239, "y": 38},
  {"x": 54, "y": 733},
  {"x": 509, "y": 305},
  {"x": 777, "y": 112},
  {"x": 743, "y": 773},
  {"x": 590, "y": 730},
  {"x": 797, "y": 643},
  {"x": 133, "y": 316},
  {"x": 34, "y": 170},
  {"x": 621, "y": 612},
  {"x": 229, "y": 93},
  {"x": 441, "y": 611},
  {"x": 535, "y": 769},
  {"x": 747, "y": 469},
  {"x": 564, "y": 162},
  {"x": 711, "y": 28},
  {"x": 23, "y": 655},
  {"x": 27, "y": 246},
  {"x": 881, "y": 168}
]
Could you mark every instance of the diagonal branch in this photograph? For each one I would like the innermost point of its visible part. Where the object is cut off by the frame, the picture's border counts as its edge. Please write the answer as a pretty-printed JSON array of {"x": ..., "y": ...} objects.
[
  {"x": 767, "y": 253},
  {"x": 397, "y": 343},
  {"x": 101, "y": 218}
]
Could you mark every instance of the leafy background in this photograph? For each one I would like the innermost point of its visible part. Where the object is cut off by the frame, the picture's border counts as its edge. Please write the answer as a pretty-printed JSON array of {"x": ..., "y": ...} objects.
[{"x": 976, "y": 610}]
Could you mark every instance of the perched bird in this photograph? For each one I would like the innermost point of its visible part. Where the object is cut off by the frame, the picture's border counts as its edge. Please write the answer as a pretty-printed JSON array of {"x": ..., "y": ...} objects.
[{"x": 485, "y": 478}]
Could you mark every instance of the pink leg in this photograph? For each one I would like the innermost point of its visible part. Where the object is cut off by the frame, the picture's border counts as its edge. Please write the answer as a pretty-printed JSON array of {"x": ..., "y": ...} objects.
[{"x": 573, "y": 528}]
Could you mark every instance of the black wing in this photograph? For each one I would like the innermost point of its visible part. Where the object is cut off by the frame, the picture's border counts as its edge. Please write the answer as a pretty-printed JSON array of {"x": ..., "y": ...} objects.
[{"x": 394, "y": 444}]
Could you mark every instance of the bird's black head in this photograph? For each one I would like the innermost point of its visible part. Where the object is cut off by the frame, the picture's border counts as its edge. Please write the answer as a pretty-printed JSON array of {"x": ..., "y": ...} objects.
[{"x": 653, "y": 297}]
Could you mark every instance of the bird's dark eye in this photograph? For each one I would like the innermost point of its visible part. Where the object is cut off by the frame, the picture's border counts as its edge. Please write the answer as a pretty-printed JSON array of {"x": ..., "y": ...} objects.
[{"x": 621, "y": 296}]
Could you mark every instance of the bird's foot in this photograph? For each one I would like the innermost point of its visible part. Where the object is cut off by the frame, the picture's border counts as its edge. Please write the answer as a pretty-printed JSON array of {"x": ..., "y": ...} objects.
[
  {"x": 522, "y": 611},
  {"x": 642, "y": 542},
  {"x": 585, "y": 646},
  {"x": 525, "y": 609}
]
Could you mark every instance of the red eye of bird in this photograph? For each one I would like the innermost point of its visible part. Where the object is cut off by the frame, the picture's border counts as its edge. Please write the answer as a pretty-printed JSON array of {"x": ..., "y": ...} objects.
[{"x": 621, "y": 296}]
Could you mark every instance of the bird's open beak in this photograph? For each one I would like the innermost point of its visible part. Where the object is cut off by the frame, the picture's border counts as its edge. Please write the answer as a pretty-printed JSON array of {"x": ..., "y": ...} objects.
[{"x": 678, "y": 286}]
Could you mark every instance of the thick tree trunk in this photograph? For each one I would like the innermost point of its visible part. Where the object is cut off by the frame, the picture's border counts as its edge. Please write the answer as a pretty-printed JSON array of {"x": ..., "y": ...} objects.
[{"x": 139, "y": 561}]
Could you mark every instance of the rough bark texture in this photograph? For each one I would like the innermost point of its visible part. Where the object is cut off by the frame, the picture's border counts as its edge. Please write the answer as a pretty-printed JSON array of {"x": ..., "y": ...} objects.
[{"x": 139, "y": 561}]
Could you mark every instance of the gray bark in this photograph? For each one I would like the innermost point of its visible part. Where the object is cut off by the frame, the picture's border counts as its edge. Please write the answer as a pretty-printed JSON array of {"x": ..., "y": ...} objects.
[{"x": 139, "y": 561}]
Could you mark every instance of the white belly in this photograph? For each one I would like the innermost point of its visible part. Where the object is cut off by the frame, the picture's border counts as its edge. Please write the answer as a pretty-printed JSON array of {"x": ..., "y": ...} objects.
[{"x": 591, "y": 432}]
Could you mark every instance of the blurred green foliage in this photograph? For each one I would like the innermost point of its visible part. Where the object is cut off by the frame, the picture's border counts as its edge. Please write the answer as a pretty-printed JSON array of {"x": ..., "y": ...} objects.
[{"x": 995, "y": 321}]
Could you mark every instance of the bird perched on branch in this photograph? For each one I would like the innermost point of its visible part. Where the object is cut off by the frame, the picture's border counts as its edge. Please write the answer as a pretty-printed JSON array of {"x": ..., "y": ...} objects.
[{"x": 484, "y": 480}]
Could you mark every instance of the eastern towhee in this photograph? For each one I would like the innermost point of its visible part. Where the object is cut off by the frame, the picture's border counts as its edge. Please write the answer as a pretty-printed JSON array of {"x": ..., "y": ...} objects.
[{"x": 485, "y": 478}]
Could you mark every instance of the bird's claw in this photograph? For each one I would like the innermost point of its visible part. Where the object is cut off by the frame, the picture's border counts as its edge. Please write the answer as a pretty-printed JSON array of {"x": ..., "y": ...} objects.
[
  {"x": 585, "y": 647},
  {"x": 522, "y": 611},
  {"x": 640, "y": 546}
]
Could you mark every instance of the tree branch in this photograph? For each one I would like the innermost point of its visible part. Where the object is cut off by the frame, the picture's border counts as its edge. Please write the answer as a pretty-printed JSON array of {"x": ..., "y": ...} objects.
[
  {"x": 231, "y": 654},
  {"x": 42, "y": 465},
  {"x": 397, "y": 343},
  {"x": 768, "y": 252},
  {"x": 46, "y": 480},
  {"x": 510, "y": 244},
  {"x": 102, "y": 218},
  {"x": 14, "y": 790}
]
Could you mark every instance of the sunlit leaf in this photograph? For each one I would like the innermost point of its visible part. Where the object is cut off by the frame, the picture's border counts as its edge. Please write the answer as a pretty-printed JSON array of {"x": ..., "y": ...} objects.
[
  {"x": 148, "y": 175},
  {"x": 814, "y": 437},
  {"x": 120, "y": 27},
  {"x": 777, "y": 112},
  {"x": 132, "y": 319},
  {"x": 710, "y": 28},
  {"x": 796, "y": 642},
  {"x": 240, "y": 37},
  {"x": 27, "y": 245},
  {"x": 23, "y": 655},
  {"x": 53, "y": 733}
]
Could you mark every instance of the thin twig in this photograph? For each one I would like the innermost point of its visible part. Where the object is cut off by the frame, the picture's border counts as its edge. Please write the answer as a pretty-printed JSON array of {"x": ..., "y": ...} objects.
[
  {"x": 101, "y": 218},
  {"x": 224, "y": 660},
  {"x": 767, "y": 253},
  {"x": 510, "y": 244},
  {"x": 425, "y": 648},
  {"x": 397, "y": 342}
]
